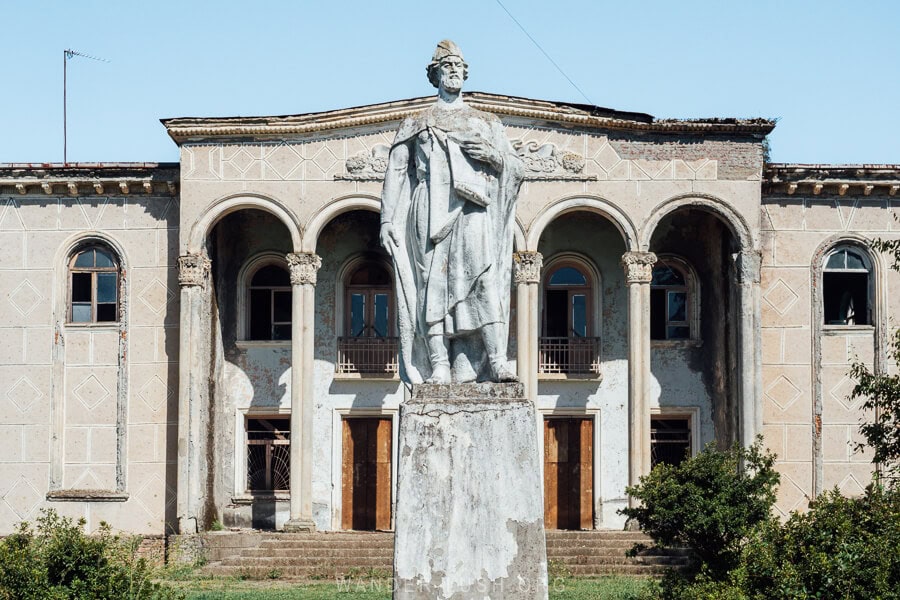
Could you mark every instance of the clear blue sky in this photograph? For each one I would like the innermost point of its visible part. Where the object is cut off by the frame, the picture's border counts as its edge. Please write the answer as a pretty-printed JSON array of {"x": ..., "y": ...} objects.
[{"x": 828, "y": 70}]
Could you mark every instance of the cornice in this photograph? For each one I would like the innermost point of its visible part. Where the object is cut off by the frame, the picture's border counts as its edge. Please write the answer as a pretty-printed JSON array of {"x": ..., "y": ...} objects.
[
  {"x": 185, "y": 129},
  {"x": 89, "y": 179},
  {"x": 831, "y": 180}
]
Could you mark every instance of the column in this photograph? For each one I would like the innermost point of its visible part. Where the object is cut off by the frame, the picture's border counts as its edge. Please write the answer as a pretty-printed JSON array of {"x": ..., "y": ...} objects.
[
  {"x": 193, "y": 275},
  {"x": 527, "y": 275},
  {"x": 638, "y": 273},
  {"x": 747, "y": 263},
  {"x": 304, "y": 267}
]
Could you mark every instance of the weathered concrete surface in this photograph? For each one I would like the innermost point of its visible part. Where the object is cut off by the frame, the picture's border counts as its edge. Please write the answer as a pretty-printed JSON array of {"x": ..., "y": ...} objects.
[{"x": 469, "y": 512}]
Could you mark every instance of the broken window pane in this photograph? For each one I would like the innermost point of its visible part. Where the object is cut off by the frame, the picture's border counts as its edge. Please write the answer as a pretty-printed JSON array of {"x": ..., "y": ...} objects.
[
  {"x": 677, "y": 306},
  {"x": 106, "y": 313},
  {"x": 81, "y": 287}
]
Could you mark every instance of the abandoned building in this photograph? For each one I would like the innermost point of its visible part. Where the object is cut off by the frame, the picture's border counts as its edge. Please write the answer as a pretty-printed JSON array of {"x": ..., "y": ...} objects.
[{"x": 213, "y": 340}]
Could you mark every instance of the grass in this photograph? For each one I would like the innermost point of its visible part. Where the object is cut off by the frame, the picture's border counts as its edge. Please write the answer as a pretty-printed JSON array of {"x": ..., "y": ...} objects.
[{"x": 612, "y": 588}]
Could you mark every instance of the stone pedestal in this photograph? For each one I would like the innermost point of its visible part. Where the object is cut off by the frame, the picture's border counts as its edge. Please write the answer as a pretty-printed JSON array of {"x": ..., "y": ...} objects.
[{"x": 469, "y": 512}]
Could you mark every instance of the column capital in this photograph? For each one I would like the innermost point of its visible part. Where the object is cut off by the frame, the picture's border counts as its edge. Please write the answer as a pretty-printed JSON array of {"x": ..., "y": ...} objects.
[
  {"x": 527, "y": 266},
  {"x": 304, "y": 267},
  {"x": 748, "y": 263},
  {"x": 638, "y": 266},
  {"x": 193, "y": 270}
]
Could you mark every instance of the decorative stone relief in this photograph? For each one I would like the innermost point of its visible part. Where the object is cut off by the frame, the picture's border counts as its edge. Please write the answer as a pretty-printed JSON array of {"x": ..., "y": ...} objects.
[
  {"x": 304, "y": 267},
  {"x": 193, "y": 270},
  {"x": 367, "y": 166},
  {"x": 547, "y": 162},
  {"x": 527, "y": 267},
  {"x": 638, "y": 266}
]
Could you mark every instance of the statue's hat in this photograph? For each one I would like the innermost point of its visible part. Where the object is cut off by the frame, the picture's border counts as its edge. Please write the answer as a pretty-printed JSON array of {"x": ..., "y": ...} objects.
[{"x": 444, "y": 49}]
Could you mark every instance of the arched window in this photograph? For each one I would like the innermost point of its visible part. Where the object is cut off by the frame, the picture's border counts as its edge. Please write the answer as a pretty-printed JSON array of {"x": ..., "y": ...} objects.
[
  {"x": 568, "y": 345},
  {"x": 846, "y": 287},
  {"x": 567, "y": 302},
  {"x": 94, "y": 286},
  {"x": 368, "y": 345},
  {"x": 673, "y": 300},
  {"x": 369, "y": 302},
  {"x": 269, "y": 304}
]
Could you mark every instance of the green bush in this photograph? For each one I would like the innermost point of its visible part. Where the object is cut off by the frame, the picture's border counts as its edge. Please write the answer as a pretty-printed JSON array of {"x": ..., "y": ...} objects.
[
  {"x": 55, "y": 560},
  {"x": 841, "y": 548},
  {"x": 709, "y": 503}
]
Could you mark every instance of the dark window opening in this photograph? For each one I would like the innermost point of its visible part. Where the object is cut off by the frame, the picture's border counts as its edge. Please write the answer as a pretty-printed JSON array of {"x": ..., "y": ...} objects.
[
  {"x": 670, "y": 440},
  {"x": 269, "y": 304},
  {"x": 669, "y": 304},
  {"x": 269, "y": 455},
  {"x": 846, "y": 288}
]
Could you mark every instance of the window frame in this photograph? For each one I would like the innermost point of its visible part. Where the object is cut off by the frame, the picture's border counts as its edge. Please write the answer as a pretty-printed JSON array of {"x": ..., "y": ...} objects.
[
  {"x": 691, "y": 288},
  {"x": 689, "y": 413},
  {"x": 245, "y": 278},
  {"x": 94, "y": 271},
  {"x": 370, "y": 291},
  {"x": 869, "y": 270},
  {"x": 589, "y": 292}
]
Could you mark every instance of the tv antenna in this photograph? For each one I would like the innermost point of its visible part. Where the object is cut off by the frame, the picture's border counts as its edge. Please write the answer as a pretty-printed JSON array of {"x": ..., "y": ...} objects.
[{"x": 67, "y": 54}]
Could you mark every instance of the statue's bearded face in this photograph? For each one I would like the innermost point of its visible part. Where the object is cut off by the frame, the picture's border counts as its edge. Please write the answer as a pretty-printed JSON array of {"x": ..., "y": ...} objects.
[{"x": 453, "y": 73}]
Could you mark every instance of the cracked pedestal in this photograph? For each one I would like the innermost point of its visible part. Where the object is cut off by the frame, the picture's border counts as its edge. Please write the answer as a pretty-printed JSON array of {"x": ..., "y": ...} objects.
[{"x": 469, "y": 510}]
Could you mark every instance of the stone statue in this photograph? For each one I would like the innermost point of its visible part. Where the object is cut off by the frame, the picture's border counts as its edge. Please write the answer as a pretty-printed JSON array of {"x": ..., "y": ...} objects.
[{"x": 447, "y": 217}]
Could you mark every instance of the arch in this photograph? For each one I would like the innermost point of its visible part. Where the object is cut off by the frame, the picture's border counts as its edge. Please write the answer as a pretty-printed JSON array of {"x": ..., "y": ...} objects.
[
  {"x": 587, "y": 203},
  {"x": 595, "y": 285},
  {"x": 335, "y": 208},
  {"x": 225, "y": 206},
  {"x": 712, "y": 204},
  {"x": 350, "y": 266},
  {"x": 878, "y": 269},
  {"x": 245, "y": 274},
  {"x": 692, "y": 287}
]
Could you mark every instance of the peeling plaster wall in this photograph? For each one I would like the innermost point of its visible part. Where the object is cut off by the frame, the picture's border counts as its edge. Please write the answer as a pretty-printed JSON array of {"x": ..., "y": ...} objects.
[
  {"x": 247, "y": 376},
  {"x": 347, "y": 236},
  {"x": 702, "y": 373}
]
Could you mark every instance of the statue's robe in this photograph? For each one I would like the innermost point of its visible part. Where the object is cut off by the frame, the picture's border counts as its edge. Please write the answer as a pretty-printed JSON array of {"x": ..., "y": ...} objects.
[{"x": 454, "y": 216}]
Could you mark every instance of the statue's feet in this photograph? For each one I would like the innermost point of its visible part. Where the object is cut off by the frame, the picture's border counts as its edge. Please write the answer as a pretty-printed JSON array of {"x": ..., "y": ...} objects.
[
  {"x": 502, "y": 374},
  {"x": 441, "y": 374}
]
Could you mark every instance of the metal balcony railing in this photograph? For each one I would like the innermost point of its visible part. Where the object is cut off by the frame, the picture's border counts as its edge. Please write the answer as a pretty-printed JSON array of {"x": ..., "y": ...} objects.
[
  {"x": 569, "y": 355},
  {"x": 367, "y": 355}
]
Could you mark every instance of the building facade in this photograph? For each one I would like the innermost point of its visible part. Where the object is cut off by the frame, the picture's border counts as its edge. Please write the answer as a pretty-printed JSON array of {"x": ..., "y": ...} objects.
[{"x": 214, "y": 339}]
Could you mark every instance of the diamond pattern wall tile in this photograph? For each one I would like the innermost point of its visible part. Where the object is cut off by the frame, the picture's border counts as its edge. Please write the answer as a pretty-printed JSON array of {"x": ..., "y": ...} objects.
[
  {"x": 841, "y": 392},
  {"x": 154, "y": 496},
  {"x": 22, "y": 498},
  {"x": 25, "y": 298},
  {"x": 780, "y": 297},
  {"x": 155, "y": 394},
  {"x": 156, "y": 296},
  {"x": 782, "y": 392},
  {"x": 790, "y": 496},
  {"x": 24, "y": 394},
  {"x": 91, "y": 392},
  {"x": 283, "y": 160}
]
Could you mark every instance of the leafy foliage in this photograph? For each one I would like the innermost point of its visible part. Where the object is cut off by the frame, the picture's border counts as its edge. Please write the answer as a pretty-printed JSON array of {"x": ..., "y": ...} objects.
[
  {"x": 710, "y": 503},
  {"x": 841, "y": 548},
  {"x": 55, "y": 560}
]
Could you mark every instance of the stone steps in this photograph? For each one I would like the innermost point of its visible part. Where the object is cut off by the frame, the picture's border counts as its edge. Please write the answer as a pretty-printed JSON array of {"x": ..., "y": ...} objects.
[{"x": 362, "y": 554}]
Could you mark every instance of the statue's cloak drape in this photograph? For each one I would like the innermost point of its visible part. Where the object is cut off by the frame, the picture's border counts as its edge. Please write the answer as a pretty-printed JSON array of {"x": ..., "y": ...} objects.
[{"x": 454, "y": 217}]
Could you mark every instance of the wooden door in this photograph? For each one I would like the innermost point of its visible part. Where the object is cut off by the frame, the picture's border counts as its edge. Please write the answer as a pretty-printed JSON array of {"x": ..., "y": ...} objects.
[
  {"x": 366, "y": 474},
  {"x": 568, "y": 473}
]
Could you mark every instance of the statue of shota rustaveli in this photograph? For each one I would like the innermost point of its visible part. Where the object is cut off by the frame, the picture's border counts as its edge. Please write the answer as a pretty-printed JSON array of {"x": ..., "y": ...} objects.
[{"x": 447, "y": 216}]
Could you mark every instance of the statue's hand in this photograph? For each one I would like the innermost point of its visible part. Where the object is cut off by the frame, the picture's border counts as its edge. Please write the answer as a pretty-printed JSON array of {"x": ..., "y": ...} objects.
[
  {"x": 479, "y": 149},
  {"x": 389, "y": 237}
]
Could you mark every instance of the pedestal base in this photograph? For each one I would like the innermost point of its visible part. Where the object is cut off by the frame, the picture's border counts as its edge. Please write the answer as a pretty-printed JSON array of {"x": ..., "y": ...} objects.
[
  {"x": 300, "y": 526},
  {"x": 469, "y": 512}
]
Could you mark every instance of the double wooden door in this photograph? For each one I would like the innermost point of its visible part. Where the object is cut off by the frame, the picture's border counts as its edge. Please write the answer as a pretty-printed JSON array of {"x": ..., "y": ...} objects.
[
  {"x": 366, "y": 474},
  {"x": 568, "y": 473}
]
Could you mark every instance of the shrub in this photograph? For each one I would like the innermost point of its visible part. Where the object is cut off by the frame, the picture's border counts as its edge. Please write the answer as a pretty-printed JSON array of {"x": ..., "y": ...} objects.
[
  {"x": 55, "y": 560},
  {"x": 841, "y": 548},
  {"x": 710, "y": 503}
]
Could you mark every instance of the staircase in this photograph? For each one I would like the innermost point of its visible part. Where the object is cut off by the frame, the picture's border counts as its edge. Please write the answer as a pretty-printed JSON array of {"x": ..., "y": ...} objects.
[{"x": 329, "y": 555}]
